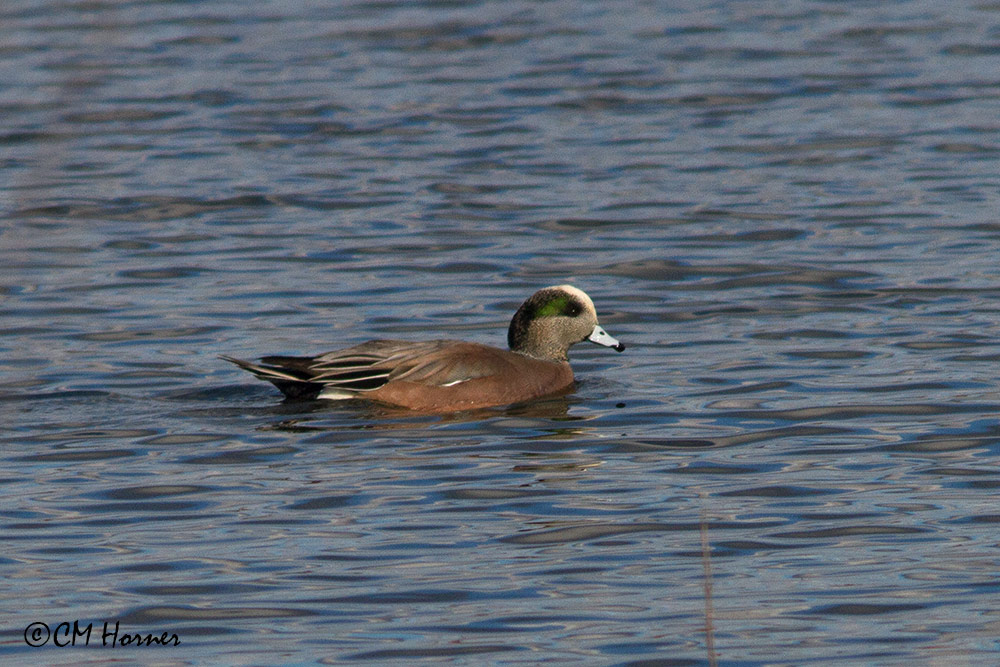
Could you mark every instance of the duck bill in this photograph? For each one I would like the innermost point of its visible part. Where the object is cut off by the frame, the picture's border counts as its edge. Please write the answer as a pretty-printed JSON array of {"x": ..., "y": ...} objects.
[{"x": 602, "y": 337}]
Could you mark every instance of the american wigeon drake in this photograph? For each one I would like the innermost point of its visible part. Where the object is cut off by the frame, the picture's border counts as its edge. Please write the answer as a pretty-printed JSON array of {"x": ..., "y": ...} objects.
[{"x": 450, "y": 375}]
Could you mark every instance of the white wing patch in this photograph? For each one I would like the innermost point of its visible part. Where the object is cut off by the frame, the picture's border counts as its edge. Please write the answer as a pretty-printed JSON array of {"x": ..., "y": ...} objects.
[{"x": 335, "y": 394}]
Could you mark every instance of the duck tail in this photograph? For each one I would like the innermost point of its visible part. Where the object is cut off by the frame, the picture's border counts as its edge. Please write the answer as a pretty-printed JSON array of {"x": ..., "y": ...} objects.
[{"x": 292, "y": 382}]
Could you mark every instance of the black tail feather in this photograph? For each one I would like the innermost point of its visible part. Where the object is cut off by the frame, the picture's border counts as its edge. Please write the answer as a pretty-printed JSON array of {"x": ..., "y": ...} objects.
[{"x": 297, "y": 390}]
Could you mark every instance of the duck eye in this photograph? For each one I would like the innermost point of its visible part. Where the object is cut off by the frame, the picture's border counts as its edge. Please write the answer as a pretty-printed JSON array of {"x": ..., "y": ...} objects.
[{"x": 573, "y": 310}]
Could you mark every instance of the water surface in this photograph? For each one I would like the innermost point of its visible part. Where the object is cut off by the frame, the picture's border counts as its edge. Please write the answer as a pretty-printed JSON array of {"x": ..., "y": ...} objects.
[{"x": 786, "y": 211}]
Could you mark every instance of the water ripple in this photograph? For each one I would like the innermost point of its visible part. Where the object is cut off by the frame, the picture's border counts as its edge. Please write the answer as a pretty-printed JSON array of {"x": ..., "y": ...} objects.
[{"x": 787, "y": 212}]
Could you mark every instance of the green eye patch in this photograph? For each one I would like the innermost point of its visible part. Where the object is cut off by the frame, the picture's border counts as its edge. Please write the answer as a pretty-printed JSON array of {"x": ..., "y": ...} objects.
[{"x": 558, "y": 306}]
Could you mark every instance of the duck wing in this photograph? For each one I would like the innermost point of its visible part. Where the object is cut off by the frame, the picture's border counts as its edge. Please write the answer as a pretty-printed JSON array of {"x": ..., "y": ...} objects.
[{"x": 371, "y": 365}]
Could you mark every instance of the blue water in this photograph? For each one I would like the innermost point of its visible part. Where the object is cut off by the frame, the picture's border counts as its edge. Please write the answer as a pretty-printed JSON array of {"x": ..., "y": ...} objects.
[{"x": 786, "y": 211}]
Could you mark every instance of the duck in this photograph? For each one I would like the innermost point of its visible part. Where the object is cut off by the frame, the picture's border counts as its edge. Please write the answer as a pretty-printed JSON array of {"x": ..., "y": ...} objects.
[{"x": 451, "y": 375}]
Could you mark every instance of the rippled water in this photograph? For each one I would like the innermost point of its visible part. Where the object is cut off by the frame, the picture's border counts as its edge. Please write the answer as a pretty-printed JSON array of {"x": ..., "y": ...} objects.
[{"x": 787, "y": 211}]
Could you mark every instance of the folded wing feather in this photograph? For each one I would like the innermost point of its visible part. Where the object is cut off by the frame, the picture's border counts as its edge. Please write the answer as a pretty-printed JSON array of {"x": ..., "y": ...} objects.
[{"x": 368, "y": 366}]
